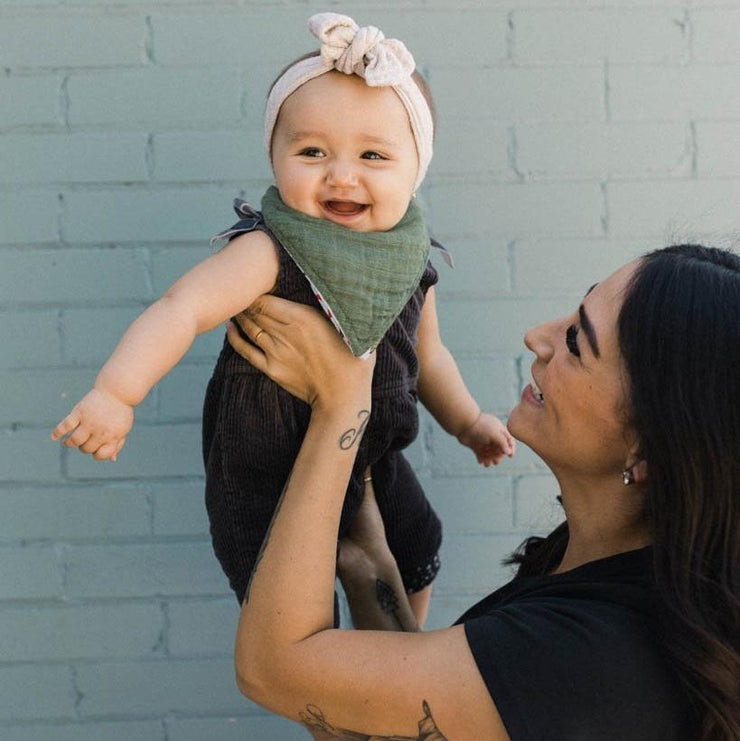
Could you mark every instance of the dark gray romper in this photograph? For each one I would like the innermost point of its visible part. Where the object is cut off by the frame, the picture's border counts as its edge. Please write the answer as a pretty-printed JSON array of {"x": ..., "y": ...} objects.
[{"x": 253, "y": 429}]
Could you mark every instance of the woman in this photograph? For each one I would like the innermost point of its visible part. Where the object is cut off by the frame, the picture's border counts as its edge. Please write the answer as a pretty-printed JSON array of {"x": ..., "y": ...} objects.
[{"x": 623, "y": 624}]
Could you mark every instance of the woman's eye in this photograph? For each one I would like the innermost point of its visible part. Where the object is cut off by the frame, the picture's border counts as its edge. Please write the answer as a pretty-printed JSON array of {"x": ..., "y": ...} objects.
[
  {"x": 311, "y": 152},
  {"x": 570, "y": 340},
  {"x": 372, "y": 156}
]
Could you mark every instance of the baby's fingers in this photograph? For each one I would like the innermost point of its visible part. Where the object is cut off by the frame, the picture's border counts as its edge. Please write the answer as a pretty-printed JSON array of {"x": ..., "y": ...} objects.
[
  {"x": 109, "y": 451},
  {"x": 69, "y": 423}
]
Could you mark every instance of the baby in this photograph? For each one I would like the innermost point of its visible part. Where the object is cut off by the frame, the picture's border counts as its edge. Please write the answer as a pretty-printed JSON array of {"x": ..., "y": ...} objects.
[{"x": 349, "y": 134}]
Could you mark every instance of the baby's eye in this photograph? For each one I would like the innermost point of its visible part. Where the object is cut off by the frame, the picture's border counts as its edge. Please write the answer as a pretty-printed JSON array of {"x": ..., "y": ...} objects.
[
  {"x": 311, "y": 152},
  {"x": 372, "y": 156},
  {"x": 570, "y": 340}
]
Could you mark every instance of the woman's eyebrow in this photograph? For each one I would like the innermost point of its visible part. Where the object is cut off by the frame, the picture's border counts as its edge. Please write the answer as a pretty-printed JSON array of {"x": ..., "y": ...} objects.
[{"x": 588, "y": 329}]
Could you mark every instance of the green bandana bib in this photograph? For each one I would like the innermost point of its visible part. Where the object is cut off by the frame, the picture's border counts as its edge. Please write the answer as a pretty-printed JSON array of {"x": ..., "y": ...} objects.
[{"x": 361, "y": 279}]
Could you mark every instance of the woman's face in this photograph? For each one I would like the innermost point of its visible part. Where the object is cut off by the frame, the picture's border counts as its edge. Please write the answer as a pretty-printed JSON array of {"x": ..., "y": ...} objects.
[{"x": 573, "y": 413}]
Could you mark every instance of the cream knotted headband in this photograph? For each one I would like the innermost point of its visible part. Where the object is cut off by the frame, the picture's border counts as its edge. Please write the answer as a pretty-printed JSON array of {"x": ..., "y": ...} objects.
[{"x": 366, "y": 52}]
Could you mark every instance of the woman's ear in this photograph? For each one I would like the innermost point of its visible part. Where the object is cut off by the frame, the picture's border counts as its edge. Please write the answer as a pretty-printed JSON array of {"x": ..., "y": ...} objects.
[{"x": 635, "y": 469}]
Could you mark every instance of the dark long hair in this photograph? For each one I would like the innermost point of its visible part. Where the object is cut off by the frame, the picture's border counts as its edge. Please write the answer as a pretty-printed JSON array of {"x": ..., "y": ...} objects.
[{"x": 679, "y": 336}]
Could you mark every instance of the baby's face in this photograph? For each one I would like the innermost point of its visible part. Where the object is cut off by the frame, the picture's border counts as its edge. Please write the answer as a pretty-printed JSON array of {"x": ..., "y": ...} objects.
[{"x": 345, "y": 152}]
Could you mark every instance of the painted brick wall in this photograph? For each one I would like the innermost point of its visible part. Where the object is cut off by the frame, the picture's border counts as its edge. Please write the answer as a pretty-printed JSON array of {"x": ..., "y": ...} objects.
[{"x": 573, "y": 134}]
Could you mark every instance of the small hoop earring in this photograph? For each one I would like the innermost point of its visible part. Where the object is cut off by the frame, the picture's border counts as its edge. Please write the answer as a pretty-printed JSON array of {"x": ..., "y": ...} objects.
[{"x": 628, "y": 477}]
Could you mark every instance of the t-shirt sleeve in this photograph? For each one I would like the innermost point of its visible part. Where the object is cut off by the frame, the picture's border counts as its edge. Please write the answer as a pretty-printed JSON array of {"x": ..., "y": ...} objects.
[{"x": 557, "y": 671}]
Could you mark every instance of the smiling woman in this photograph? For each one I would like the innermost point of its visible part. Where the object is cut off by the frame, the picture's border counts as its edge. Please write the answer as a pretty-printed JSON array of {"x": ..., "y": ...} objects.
[{"x": 622, "y": 624}]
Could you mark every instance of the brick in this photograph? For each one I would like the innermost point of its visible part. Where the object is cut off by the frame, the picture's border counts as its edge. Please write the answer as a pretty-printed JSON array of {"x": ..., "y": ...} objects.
[
  {"x": 426, "y": 32},
  {"x": 74, "y": 275},
  {"x": 718, "y": 149},
  {"x": 590, "y": 35},
  {"x": 562, "y": 209},
  {"x": 192, "y": 156},
  {"x": 458, "y": 150},
  {"x": 182, "y": 391},
  {"x": 171, "y": 263},
  {"x": 77, "y": 158},
  {"x": 500, "y": 323},
  {"x": 714, "y": 35},
  {"x": 28, "y": 455},
  {"x": 471, "y": 564},
  {"x": 269, "y": 36},
  {"x": 36, "y": 692},
  {"x": 553, "y": 267},
  {"x": 481, "y": 268},
  {"x": 446, "y": 609},
  {"x": 28, "y": 572},
  {"x": 179, "y": 509},
  {"x": 604, "y": 151},
  {"x": 44, "y": 397},
  {"x": 29, "y": 339},
  {"x": 29, "y": 216},
  {"x": 63, "y": 512},
  {"x": 537, "y": 509},
  {"x": 91, "y": 334},
  {"x": 642, "y": 92},
  {"x": 471, "y": 504},
  {"x": 142, "y": 570},
  {"x": 151, "y": 451},
  {"x": 154, "y": 96},
  {"x": 77, "y": 41},
  {"x": 161, "y": 215},
  {"x": 202, "y": 628},
  {"x": 107, "y": 731},
  {"x": 160, "y": 687},
  {"x": 31, "y": 101},
  {"x": 519, "y": 94},
  {"x": 80, "y": 632},
  {"x": 258, "y": 728},
  {"x": 674, "y": 211},
  {"x": 492, "y": 381}
]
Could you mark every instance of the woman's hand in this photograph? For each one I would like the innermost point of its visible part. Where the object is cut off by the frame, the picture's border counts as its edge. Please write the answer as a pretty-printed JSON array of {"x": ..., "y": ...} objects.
[{"x": 298, "y": 348}]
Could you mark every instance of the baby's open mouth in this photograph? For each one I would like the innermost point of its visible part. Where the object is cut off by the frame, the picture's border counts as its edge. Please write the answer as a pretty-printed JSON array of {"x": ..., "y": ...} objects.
[{"x": 344, "y": 208}]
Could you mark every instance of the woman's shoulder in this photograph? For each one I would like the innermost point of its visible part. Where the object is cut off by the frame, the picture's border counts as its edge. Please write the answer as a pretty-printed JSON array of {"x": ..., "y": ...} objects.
[{"x": 586, "y": 643}]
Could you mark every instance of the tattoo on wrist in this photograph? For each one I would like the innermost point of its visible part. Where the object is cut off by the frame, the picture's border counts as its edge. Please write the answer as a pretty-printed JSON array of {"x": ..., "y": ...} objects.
[
  {"x": 354, "y": 434},
  {"x": 318, "y": 726},
  {"x": 388, "y": 601}
]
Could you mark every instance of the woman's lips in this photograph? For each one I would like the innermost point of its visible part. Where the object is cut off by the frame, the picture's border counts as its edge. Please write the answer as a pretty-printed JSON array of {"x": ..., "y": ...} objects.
[{"x": 529, "y": 396}]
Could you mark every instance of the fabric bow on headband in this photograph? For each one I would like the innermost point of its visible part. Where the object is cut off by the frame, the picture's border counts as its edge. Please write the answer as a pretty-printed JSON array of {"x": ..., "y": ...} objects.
[{"x": 381, "y": 62}]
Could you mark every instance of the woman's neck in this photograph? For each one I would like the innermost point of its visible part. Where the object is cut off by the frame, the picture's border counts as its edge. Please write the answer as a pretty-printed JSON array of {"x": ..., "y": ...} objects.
[{"x": 602, "y": 521}]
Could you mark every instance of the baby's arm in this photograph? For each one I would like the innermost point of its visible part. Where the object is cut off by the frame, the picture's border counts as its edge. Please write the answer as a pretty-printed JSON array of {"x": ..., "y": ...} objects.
[
  {"x": 444, "y": 393},
  {"x": 210, "y": 293}
]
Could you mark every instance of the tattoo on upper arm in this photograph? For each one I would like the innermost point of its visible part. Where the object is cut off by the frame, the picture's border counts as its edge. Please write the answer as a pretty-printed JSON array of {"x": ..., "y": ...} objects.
[
  {"x": 354, "y": 434},
  {"x": 388, "y": 600},
  {"x": 313, "y": 719}
]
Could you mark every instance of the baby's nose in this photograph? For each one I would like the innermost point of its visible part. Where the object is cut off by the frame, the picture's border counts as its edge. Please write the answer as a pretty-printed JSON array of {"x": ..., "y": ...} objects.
[{"x": 342, "y": 174}]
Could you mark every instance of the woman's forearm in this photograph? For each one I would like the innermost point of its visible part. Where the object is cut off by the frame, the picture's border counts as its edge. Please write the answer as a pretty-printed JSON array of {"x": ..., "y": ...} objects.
[
  {"x": 376, "y": 596},
  {"x": 291, "y": 594}
]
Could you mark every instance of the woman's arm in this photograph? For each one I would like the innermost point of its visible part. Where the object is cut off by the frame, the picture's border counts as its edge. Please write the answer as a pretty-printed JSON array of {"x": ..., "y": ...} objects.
[
  {"x": 342, "y": 684},
  {"x": 206, "y": 296},
  {"x": 369, "y": 573}
]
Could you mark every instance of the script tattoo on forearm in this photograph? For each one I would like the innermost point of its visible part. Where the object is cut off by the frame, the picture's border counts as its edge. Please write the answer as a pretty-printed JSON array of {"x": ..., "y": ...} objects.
[
  {"x": 313, "y": 719},
  {"x": 266, "y": 538},
  {"x": 388, "y": 601},
  {"x": 354, "y": 434}
]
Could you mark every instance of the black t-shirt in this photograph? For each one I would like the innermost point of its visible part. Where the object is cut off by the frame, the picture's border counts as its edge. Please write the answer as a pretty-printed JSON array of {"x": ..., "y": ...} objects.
[{"x": 576, "y": 656}]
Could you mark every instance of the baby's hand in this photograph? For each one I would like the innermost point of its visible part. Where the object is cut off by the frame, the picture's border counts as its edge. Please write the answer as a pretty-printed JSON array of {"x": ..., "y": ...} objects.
[
  {"x": 489, "y": 439},
  {"x": 97, "y": 425}
]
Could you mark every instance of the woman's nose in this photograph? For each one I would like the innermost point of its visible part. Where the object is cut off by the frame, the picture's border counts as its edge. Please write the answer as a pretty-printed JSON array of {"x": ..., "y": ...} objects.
[{"x": 539, "y": 340}]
